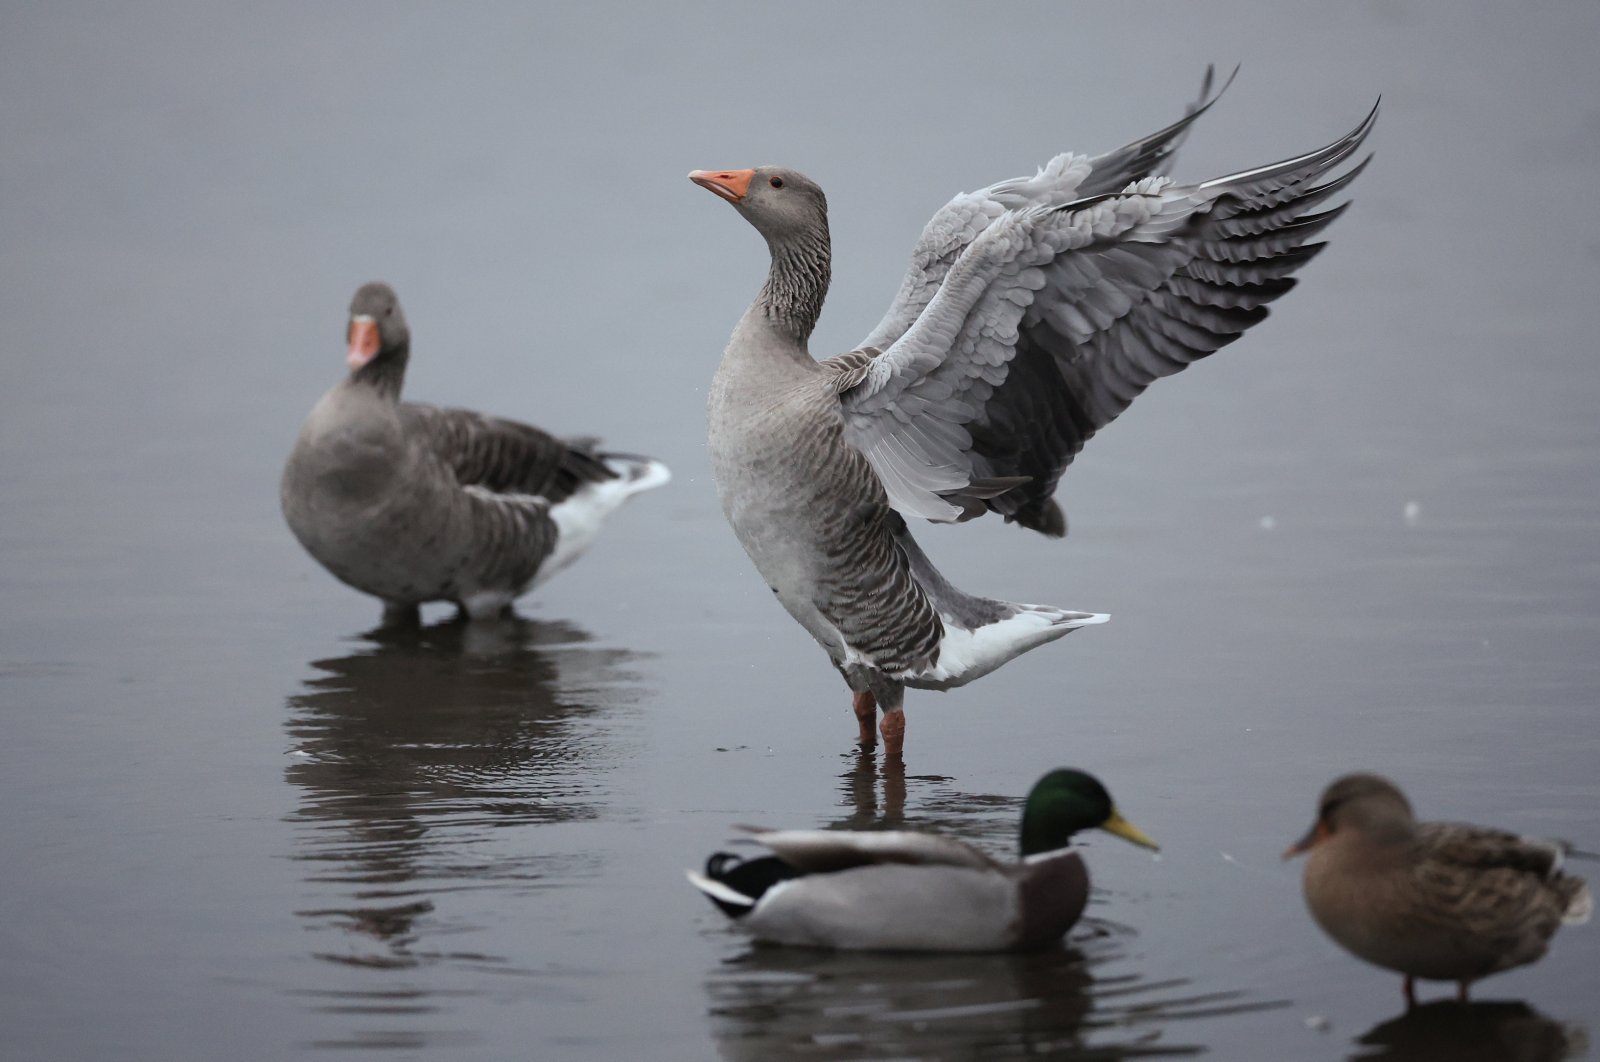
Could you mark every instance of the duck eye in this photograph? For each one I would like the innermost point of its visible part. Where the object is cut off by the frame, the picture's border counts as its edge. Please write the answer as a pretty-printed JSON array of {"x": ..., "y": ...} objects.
[{"x": 776, "y": 182}]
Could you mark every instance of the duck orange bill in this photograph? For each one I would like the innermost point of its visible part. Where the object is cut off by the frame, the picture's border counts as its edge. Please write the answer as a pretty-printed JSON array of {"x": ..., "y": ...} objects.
[
  {"x": 1314, "y": 836},
  {"x": 363, "y": 337},
  {"x": 731, "y": 185}
]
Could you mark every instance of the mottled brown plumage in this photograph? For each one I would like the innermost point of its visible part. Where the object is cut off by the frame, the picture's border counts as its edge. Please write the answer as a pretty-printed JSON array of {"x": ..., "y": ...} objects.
[{"x": 1432, "y": 900}]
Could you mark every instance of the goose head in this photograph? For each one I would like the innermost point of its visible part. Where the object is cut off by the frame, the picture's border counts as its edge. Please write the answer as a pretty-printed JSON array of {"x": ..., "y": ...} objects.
[
  {"x": 377, "y": 331},
  {"x": 784, "y": 205}
]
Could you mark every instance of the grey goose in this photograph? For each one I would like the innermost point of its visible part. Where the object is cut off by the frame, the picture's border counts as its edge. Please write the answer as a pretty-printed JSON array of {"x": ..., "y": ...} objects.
[
  {"x": 1033, "y": 312},
  {"x": 412, "y": 503}
]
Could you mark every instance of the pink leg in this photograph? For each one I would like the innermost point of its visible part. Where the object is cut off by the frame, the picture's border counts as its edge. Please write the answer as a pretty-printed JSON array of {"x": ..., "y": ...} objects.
[
  {"x": 866, "y": 709},
  {"x": 893, "y": 728}
]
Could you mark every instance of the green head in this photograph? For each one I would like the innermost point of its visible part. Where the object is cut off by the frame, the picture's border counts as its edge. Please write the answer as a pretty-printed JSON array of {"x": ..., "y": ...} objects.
[{"x": 1066, "y": 801}]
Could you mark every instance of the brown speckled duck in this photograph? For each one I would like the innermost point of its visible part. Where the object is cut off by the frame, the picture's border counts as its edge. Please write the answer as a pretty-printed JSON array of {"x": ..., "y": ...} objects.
[{"x": 1440, "y": 901}]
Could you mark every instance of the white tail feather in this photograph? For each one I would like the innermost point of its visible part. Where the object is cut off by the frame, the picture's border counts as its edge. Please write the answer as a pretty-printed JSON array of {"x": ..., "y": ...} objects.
[
  {"x": 966, "y": 654},
  {"x": 717, "y": 890},
  {"x": 639, "y": 474},
  {"x": 1579, "y": 908}
]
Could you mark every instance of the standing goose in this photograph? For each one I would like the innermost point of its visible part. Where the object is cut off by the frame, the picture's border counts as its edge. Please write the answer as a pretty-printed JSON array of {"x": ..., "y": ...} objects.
[
  {"x": 413, "y": 503},
  {"x": 1033, "y": 312},
  {"x": 1441, "y": 901},
  {"x": 907, "y": 891}
]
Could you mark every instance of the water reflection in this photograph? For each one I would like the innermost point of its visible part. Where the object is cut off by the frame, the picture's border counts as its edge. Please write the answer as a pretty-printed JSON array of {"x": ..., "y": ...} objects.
[
  {"x": 1077, "y": 1000},
  {"x": 1448, "y": 1031},
  {"x": 410, "y": 754},
  {"x": 875, "y": 793},
  {"x": 793, "y": 1003}
]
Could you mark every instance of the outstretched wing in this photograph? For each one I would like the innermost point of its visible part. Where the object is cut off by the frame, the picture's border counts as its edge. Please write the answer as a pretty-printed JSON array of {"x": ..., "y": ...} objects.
[
  {"x": 822, "y": 851},
  {"x": 1151, "y": 155},
  {"x": 504, "y": 456},
  {"x": 1061, "y": 180},
  {"x": 1056, "y": 318}
]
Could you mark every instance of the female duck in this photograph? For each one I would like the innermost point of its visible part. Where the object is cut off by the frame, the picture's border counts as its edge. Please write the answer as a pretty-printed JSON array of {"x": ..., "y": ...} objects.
[{"x": 1440, "y": 901}]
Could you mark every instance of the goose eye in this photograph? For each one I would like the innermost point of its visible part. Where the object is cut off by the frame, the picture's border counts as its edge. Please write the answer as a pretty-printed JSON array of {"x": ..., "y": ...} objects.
[{"x": 776, "y": 182}]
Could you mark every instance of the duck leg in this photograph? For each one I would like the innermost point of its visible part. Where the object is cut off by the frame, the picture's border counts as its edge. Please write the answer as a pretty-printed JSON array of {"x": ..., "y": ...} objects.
[
  {"x": 1411, "y": 991},
  {"x": 1461, "y": 991},
  {"x": 866, "y": 709},
  {"x": 401, "y": 614}
]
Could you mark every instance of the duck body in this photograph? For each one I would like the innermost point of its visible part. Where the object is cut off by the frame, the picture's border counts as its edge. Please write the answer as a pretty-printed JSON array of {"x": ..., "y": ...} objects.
[
  {"x": 967, "y": 905},
  {"x": 910, "y": 891},
  {"x": 412, "y": 503},
  {"x": 1432, "y": 901}
]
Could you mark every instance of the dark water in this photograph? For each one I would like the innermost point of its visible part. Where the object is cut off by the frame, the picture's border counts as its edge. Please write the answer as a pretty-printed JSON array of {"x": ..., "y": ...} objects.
[{"x": 234, "y": 825}]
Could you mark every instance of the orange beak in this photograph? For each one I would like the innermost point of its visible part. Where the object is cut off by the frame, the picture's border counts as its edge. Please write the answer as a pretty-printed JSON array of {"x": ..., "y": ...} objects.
[
  {"x": 1318, "y": 833},
  {"x": 363, "y": 337},
  {"x": 731, "y": 185}
]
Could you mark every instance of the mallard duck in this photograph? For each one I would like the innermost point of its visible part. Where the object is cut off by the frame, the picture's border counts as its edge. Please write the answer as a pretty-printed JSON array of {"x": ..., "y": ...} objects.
[
  {"x": 412, "y": 503},
  {"x": 1440, "y": 901},
  {"x": 1033, "y": 312},
  {"x": 908, "y": 891}
]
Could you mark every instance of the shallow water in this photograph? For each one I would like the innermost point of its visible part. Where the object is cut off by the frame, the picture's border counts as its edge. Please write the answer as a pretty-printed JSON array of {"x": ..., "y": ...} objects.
[{"x": 239, "y": 823}]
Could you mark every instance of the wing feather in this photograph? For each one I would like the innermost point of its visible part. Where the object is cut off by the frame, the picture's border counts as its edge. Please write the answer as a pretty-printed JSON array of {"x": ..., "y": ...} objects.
[
  {"x": 1065, "y": 178},
  {"x": 821, "y": 851},
  {"x": 504, "y": 456},
  {"x": 1055, "y": 317}
]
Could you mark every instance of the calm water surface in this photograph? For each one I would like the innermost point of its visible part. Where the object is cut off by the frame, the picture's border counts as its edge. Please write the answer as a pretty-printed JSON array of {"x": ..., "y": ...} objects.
[{"x": 236, "y": 822}]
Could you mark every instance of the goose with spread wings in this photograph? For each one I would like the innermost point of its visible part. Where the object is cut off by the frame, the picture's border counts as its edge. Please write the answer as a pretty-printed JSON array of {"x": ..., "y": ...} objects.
[{"x": 1034, "y": 311}]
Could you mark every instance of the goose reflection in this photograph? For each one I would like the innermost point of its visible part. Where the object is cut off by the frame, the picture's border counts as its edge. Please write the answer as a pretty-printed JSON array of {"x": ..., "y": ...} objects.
[
  {"x": 874, "y": 792},
  {"x": 413, "y": 750},
  {"x": 1473, "y": 1032}
]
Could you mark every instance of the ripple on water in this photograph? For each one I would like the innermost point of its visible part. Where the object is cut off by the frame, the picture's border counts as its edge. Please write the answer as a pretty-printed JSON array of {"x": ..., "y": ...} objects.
[{"x": 411, "y": 755}]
